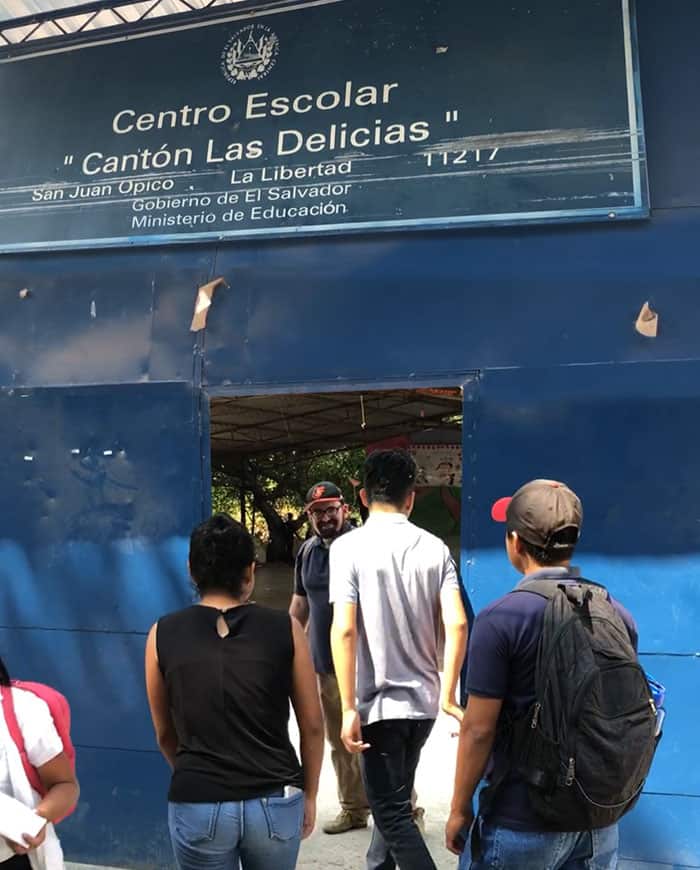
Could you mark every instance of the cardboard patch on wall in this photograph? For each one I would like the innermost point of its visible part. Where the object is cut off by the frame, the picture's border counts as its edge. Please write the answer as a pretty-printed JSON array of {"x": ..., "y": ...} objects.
[
  {"x": 647, "y": 323},
  {"x": 202, "y": 303}
]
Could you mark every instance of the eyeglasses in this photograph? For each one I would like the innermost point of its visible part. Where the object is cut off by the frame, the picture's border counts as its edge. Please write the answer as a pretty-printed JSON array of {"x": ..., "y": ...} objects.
[{"x": 320, "y": 513}]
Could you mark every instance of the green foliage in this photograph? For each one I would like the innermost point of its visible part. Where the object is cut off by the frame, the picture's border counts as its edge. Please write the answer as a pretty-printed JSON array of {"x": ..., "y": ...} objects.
[
  {"x": 276, "y": 484},
  {"x": 226, "y": 498}
]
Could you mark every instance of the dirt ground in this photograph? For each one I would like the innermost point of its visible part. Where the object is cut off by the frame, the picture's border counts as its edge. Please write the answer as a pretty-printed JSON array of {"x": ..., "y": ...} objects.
[{"x": 274, "y": 585}]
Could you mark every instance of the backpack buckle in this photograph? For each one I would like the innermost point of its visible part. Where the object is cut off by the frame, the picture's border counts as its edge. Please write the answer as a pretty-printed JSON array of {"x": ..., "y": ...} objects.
[
  {"x": 578, "y": 595},
  {"x": 570, "y": 773}
]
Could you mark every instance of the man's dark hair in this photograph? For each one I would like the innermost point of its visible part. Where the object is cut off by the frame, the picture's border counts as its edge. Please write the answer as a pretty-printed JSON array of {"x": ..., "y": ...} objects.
[
  {"x": 220, "y": 551},
  {"x": 389, "y": 476},
  {"x": 4, "y": 676},
  {"x": 561, "y": 549}
]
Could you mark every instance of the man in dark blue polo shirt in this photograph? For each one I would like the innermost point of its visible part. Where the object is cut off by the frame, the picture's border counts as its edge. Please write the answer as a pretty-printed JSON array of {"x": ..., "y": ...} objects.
[
  {"x": 328, "y": 515},
  {"x": 543, "y": 521}
]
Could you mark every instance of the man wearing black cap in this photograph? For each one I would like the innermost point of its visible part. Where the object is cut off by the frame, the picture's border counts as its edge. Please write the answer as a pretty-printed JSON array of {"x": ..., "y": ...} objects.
[
  {"x": 543, "y": 521},
  {"x": 328, "y": 516}
]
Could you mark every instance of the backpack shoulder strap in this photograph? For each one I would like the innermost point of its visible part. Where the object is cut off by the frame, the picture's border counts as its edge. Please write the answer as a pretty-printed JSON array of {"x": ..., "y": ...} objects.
[
  {"x": 60, "y": 712},
  {"x": 544, "y": 588},
  {"x": 549, "y": 588},
  {"x": 8, "y": 709}
]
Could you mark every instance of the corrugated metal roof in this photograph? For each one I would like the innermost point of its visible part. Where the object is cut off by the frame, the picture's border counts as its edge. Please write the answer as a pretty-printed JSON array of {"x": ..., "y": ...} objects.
[
  {"x": 261, "y": 425},
  {"x": 51, "y": 22},
  {"x": 19, "y": 8},
  {"x": 10, "y": 9}
]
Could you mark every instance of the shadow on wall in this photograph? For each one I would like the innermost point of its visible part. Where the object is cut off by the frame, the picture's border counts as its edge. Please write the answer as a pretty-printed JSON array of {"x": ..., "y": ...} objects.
[
  {"x": 84, "y": 620},
  {"x": 89, "y": 643}
]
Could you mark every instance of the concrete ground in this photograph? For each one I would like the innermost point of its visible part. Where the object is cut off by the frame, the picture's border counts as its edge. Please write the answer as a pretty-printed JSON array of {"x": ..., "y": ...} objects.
[{"x": 434, "y": 786}]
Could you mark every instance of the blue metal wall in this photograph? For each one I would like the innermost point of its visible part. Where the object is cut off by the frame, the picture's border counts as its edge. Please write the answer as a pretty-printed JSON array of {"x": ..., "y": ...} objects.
[
  {"x": 103, "y": 416},
  {"x": 620, "y": 435}
]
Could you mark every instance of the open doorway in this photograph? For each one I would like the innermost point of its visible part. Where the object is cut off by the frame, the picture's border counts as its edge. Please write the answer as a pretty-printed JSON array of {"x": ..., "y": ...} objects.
[{"x": 266, "y": 451}]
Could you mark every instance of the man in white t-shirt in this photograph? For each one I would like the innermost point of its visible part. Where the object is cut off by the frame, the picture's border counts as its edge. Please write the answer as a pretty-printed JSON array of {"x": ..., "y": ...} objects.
[{"x": 392, "y": 585}]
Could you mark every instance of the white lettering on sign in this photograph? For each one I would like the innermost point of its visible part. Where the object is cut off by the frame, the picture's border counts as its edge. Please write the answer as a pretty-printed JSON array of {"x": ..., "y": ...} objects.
[
  {"x": 95, "y": 162},
  {"x": 127, "y": 120},
  {"x": 341, "y": 136},
  {"x": 261, "y": 105}
]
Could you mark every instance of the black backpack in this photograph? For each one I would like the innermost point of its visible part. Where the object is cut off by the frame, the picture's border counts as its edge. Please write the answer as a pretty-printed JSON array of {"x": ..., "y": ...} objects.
[{"x": 586, "y": 745}]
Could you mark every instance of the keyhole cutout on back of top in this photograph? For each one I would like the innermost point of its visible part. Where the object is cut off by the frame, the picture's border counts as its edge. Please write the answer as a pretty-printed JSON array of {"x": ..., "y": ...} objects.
[{"x": 222, "y": 628}]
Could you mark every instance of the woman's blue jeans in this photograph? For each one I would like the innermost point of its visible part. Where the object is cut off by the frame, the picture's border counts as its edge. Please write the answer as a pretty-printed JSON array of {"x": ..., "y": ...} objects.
[{"x": 260, "y": 834}]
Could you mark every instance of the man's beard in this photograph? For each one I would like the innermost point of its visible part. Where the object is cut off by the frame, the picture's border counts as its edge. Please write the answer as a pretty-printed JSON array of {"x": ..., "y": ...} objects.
[{"x": 328, "y": 531}]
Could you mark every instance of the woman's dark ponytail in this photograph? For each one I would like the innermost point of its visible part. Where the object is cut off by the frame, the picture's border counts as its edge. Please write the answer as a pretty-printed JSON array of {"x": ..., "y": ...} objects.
[{"x": 4, "y": 676}]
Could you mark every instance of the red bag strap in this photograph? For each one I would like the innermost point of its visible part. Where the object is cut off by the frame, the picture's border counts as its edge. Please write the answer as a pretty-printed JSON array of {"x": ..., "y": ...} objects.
[{"x": 8, "y": 709}]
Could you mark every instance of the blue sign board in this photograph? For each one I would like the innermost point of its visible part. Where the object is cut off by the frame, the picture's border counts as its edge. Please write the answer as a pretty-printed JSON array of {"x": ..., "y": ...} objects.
[{"x": 325, "y": 116}]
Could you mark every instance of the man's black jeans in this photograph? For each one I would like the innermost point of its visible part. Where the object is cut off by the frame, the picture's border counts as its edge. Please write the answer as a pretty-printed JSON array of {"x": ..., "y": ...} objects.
[{"x": 388, "y": 770}]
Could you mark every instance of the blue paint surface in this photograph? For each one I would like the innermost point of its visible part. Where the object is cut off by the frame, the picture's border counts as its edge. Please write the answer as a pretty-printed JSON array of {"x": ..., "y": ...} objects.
[
  {"x": 672, "y": 772},
  {"x": 618, "y": 435},
  {"x": 448, "y": 303},
  {"x": 121, "y": 818},
  {"x": 663, "y": 829},
  {"x": 99, "y": 318},
  {"x": 93, "y": 549},
  {"x": 93, "y": 545},
  {"x": 100, "y": 672}
]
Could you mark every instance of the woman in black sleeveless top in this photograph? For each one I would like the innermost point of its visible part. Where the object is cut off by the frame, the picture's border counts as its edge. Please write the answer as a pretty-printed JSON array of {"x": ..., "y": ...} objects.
[{"x": 220, "y": 675}]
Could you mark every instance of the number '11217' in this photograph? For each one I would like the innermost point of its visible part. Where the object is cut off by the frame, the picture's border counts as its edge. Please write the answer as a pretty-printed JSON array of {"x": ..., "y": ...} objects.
[{"x": 456, "y": 158}]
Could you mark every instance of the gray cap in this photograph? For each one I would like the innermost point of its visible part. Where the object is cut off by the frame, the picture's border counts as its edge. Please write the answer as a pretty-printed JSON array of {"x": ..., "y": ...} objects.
[{"x": 539, "y": 511}]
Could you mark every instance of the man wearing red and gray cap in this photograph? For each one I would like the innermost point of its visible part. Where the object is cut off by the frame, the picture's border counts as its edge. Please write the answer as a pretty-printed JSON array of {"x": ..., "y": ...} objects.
[
  {"x": 543, "y": 522},
  {"x": 328, "y": 515}
]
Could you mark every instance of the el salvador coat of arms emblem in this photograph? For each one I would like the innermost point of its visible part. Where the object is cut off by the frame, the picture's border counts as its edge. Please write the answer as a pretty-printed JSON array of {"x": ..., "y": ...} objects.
[{"x": 250, "y": 53}]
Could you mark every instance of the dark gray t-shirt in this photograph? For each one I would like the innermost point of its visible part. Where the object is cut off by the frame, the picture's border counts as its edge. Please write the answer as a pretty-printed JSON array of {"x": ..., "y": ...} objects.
[{"x": 311, "y": 581}]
